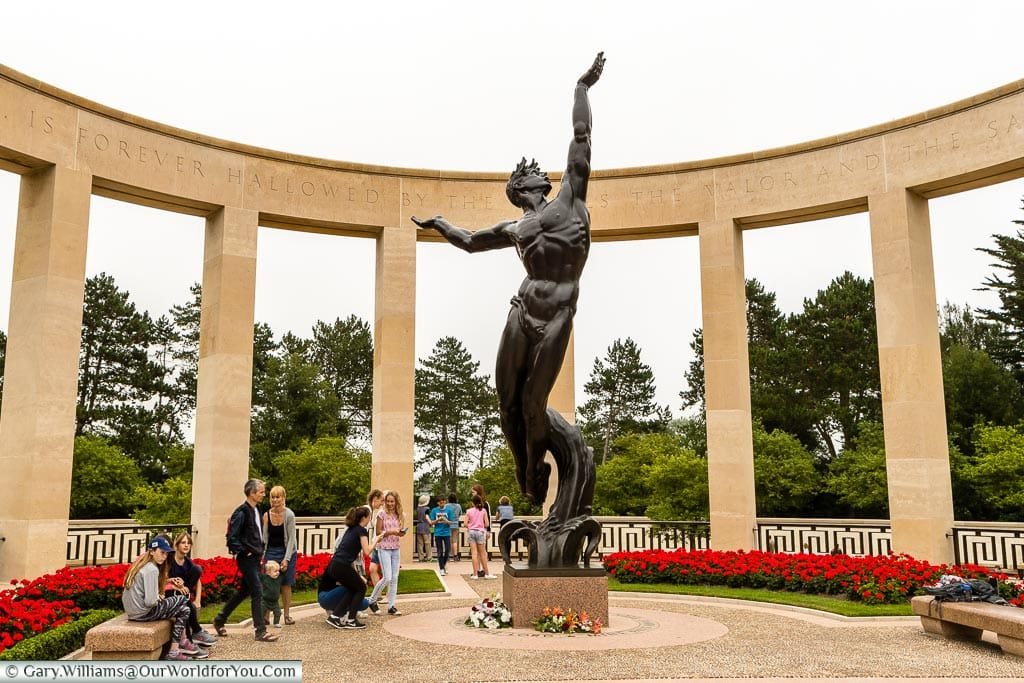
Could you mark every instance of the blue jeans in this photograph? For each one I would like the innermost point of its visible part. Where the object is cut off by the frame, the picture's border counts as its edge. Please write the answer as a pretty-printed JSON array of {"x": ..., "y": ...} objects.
[
  {"x": 332, "y": 598},
  {"x": 249, "y": 585},
  {"x": 389, "y": 563},
  {"x": 444, "y": 548},
  {"x": 345, "y": 574}
]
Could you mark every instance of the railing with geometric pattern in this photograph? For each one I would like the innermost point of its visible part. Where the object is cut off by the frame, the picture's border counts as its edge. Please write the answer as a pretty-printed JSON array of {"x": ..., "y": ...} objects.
[
  {"x": 116, "y": 541},
  {"x": 992, "y": 544},
  {"x": 821, "y": 536},
  {"x": 111, "y": 541}
]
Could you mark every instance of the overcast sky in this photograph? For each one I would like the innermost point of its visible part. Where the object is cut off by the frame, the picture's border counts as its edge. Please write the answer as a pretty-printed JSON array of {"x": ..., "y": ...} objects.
[{"x": 475, "y": 86}]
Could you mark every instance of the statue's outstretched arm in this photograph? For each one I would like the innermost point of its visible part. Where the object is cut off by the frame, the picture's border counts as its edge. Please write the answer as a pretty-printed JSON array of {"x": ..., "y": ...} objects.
[
  {"x": 577, "y": 173},
  {"x": 495, "y": 237}
]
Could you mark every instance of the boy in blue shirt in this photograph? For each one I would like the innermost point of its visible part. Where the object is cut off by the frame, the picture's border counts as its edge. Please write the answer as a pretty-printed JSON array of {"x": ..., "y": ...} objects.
[{"x": 440, "y": 520}]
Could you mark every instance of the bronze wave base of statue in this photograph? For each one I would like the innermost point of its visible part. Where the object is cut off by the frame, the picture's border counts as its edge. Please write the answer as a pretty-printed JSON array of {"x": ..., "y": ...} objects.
[{"x": 568, "y": 534}]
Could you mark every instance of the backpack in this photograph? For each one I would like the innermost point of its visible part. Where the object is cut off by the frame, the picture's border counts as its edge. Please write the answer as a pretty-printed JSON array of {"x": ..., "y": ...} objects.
[
  {"x": 985, "y": 591},
  {"x": 956, "y": 591}
]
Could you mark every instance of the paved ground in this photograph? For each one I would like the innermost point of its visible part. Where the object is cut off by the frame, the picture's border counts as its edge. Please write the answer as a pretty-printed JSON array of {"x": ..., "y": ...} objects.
[{"x": 713, "y": 639}]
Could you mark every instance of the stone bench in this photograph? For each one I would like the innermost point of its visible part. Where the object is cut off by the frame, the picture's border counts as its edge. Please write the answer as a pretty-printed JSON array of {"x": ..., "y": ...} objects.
[
  {"x": 967, "y": 620},
  {"x": 120, "y": 638}
]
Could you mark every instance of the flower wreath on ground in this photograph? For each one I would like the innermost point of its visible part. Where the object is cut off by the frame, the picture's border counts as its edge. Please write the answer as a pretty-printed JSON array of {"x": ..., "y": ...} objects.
[
  {"x": 557, "y": 620},
  {"x": 490, "y": 613}
]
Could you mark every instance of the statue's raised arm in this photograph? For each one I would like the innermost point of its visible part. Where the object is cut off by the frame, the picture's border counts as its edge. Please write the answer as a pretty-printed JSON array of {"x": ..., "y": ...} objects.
[
  {"x": 577, "y": 172},
  {"x": 552, "y": 239}
]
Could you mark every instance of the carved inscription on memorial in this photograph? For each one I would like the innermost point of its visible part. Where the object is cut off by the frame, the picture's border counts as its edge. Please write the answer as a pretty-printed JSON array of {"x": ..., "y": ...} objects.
[
  {"x": 139, "y": 154},
  {"x": 268, "y": 182},
  {"x": 903, "y": 155},
  {"x": 44, "y": 122},
  {"x": 997, "y": 127}
]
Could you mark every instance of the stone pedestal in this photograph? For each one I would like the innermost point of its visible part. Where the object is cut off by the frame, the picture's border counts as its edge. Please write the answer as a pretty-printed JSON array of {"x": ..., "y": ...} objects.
[{"x": 528, "y": 591}]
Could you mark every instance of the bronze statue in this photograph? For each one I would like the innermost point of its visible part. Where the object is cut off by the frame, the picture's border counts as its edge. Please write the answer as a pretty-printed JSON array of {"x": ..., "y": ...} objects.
[{"x": 553, "y": 241}]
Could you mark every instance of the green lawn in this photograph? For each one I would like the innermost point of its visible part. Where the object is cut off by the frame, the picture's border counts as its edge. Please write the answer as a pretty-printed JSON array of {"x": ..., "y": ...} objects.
[
  {"x": 409, "y": 581},
  {"x": 426, "y": 581},
  {"x": 825, "y": 603}
]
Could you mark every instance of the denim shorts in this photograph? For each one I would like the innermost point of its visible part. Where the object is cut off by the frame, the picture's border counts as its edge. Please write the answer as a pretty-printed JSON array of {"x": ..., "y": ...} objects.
[
  {"x": 477, "y": 536},
  {"x": 277, "y": 554}
]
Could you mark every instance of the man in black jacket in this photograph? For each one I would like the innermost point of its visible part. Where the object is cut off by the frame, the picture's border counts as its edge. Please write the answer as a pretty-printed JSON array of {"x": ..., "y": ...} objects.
[{"x": 245, "y": 542}]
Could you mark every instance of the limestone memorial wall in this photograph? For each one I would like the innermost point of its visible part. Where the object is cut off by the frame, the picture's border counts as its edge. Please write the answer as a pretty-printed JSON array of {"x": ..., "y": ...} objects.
[{"x": 66, "y": 149}]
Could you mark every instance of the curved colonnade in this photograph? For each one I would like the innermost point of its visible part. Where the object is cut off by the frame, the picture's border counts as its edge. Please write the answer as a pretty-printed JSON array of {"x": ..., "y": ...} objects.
[{"x": 66, "y": 148}]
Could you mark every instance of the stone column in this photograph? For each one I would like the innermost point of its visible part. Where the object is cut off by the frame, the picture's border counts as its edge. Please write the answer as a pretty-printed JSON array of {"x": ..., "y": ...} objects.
[
  {"x": 224, "y": 391},
  {"x": 727, "y": 387},
  {"x": 910, "y": 365},
  {"x": 562, "y": 399},
  {"x": 394, "y": 362},
  {"x": 37, "y": 428}
]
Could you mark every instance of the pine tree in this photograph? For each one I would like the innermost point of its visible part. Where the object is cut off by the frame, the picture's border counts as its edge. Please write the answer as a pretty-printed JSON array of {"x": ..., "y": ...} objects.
[
  {"x": 185, "y": 349},
  {"x": 114, "y": 357},
  {"x": 343, "y": 352},
  {"x": 296, "y": 405},
  {"x": 621, "y": 397},
  {"x": 452, "y": 412},
  {"x": 118, "y": 380},
  {"x": 1009, "y": 255},
  {"x": 836, "y": 360}
]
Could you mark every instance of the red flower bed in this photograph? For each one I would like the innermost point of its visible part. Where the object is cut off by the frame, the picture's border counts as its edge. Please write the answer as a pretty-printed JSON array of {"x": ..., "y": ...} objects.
[
  {"x": 53, "y": 599},
  {"x": 23, "y": 617},
  {"x": 873, "y": 579}
]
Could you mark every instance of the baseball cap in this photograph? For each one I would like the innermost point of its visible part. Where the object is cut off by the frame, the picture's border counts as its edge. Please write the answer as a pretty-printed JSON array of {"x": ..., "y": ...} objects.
[{"x": 159, "y": 543}]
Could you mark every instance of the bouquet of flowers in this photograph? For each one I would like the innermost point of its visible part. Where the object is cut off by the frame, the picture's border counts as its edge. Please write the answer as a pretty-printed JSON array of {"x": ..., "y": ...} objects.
[
  {"x": 490, "y": 613},
  {"x": 557, "y": 620}
]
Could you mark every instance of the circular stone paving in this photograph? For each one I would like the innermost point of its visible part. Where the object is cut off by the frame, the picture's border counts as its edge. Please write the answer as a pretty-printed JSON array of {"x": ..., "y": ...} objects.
[{"x": 631, "y": 628}]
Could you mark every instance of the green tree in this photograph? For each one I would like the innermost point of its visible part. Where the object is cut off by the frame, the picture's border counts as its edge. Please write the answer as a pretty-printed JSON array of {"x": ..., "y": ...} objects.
[
  {"x": 114, "y": 363},
  {"x": 449, "y": 411},
  {"x": 679, "y": 486},
  {"x": 122, "y": 384},
  {"x": 998, "y": 470},
  {"x": 621, "y": 487},
  {"x": 343, "y": 351},
  {"x": 857, "y": 476},
  {"x": 1008, "y": 283},
  {"x": 148, "y": 428},
  {"x": 813, "y": 374},
  {"x": 692, "y": 432},
  {"x": 967, "y": 502},
  {"x": 766, "y": 338},
  {"x": 838, "y": 351},
  {"x": 166, "y": 503},
  {"x": 498, "y": 477},
  {"x": 977, "y": 391},
  {"x": 184, "y": 349},
  {"x": 324, "y": 477},
  {"x": 959, "y": 326},
  {"x": 776, "y": 395},
  {"x": 484, "y": 434},
  {"x": 179, "y": 461},
  {"x": 264, "y": 350},
  {"x": 785, "y": 478},
  {"x": 620, "y": 398},
  {"x": 103, "y": 480},
  {"x": 299, "y": 405}
]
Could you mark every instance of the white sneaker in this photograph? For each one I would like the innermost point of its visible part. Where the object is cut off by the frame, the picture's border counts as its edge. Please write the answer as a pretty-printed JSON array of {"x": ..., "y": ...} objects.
[
  {"x": 472, "y": 576},
  {"x": 490, "y": 576},
  {"x": 362, "y": 615},
  {"x": 442, "y": 572}
]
